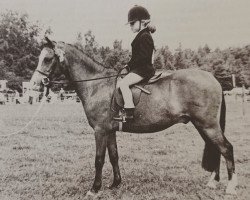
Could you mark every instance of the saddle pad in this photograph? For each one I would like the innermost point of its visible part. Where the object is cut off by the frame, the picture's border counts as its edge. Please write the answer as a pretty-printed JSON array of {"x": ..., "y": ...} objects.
[{"x": 154, "y": 79}]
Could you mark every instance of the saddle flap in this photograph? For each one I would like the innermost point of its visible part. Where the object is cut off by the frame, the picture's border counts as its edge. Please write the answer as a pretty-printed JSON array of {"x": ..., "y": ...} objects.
[
  {"x": 136, "y": 92},
  {"x": 118, "y": 99}
]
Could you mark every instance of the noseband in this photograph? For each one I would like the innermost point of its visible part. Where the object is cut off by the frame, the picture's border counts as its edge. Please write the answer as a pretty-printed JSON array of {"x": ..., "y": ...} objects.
[
  {"x": 45, "y": 80},
  {"x": 43, "y": 73}
]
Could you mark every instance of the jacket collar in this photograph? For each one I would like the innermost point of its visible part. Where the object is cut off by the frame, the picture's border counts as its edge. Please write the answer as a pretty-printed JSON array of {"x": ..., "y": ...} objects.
[{"x": 139, "y": 34}]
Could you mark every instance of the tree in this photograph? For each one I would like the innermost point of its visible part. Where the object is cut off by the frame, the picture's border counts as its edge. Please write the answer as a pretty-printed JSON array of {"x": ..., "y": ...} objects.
[
  {"x": 90, "y": 43},
  {"x": 222, "y": 74},
  {"x": 79, "y": 41},
  {"x": 159, "y": 61},
  {"x": 206, "y": 49},
  {"x": 179, "y": 58},
  {"x": 164, "y": 59},
  {"x": 116, "y": 58},
  {"x": 91, "y": 46},
  {"x": 19, "y": 48},
  {"x": 246, "y": 74},
  {"x": 104, "y": 51}
]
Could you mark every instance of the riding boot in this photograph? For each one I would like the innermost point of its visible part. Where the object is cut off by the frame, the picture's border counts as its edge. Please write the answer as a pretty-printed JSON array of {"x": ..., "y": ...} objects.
[{"x": 127, "y": 115}]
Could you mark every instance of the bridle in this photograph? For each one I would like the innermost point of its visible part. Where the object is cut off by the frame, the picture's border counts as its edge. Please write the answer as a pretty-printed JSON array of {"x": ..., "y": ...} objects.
[
  {"x": 60, "y": 58},
  {"x": 45, "y": 80},
  {"x": 43, "y": 73}
]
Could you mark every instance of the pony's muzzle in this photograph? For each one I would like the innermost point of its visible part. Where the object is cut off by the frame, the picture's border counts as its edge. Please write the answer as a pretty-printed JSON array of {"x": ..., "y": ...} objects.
[{"x": 35, "y": 86}]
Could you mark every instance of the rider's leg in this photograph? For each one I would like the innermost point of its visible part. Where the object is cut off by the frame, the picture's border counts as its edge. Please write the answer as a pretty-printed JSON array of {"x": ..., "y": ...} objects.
[
  {"x": 129, "y": 106},
  {"x": 125, "y": 83}
]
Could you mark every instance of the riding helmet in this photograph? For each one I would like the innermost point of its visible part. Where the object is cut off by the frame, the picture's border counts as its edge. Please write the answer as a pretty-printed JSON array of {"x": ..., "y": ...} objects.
[{"x": 138, "y": 13}]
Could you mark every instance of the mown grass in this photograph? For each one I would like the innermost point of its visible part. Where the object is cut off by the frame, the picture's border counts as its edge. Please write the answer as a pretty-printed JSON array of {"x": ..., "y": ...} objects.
[{"x": 54, "y": 158}]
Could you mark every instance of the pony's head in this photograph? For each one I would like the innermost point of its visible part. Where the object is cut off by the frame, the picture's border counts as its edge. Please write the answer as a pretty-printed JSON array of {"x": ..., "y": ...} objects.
[{"x": 51, "y": 57}]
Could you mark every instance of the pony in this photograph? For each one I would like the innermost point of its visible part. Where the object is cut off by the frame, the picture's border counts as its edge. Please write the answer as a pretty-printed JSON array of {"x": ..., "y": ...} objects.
[{"x": 188, "y": 95}]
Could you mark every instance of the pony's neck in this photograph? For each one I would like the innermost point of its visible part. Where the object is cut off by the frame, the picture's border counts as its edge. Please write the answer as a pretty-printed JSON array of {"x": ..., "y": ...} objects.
[{"x": 82, "y": 66}]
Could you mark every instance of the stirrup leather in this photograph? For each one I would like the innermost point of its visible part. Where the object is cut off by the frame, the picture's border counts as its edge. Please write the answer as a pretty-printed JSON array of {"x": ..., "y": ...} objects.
[{"x": 125, "y": 115}]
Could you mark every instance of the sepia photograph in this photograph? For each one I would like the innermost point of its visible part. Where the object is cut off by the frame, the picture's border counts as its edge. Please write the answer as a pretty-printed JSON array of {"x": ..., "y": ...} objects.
[{"x": 124, "y": 99}]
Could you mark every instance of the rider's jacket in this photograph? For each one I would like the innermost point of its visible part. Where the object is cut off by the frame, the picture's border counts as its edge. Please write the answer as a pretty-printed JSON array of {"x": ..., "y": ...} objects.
[{"x": 142, "y": 51}]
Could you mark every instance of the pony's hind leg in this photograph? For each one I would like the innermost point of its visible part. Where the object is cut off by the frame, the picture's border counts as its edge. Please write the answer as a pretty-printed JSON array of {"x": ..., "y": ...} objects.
[
  {"x": 217, "y": 144},
  {"x": 211, "y": 159},
  {"x": 232, "y": 176},
  {"x": 226, "y": 150},
  {"x": 214, "y": 178}
]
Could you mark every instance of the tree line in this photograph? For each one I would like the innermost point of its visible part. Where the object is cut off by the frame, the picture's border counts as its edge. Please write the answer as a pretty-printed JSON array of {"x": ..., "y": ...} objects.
[{"x": 20, "y": 48}]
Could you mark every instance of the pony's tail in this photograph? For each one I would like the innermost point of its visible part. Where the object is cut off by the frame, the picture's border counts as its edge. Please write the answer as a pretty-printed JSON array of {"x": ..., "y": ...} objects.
[
  {"x": 211, "y": 155},
  {"x": 223, "y": 114}
]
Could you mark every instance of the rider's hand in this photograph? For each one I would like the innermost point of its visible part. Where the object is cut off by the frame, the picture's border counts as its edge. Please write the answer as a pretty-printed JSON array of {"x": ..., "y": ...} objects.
[{"x": 127, "y": 68}]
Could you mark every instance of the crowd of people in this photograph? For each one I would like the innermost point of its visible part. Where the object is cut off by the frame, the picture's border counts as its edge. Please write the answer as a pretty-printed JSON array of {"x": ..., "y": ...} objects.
[{"x": 32, "y": 97}]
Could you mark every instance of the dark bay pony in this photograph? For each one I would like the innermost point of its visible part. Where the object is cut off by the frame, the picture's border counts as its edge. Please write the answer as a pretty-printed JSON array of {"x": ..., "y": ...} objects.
[{"x": 185, "y": 95}]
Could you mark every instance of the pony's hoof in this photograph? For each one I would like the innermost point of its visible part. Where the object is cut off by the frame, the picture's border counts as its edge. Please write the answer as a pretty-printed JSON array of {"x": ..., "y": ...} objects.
[
  {"x": 211, "y": 184},
  {"x": 232, "y": 185},
  {"x": 92, "y": 195},
  {"x": 114, "y": 186}
]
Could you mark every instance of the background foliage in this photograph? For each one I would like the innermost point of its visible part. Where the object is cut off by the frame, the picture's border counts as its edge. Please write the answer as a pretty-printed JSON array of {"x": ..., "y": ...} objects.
[{"x": 20, "y": 48}]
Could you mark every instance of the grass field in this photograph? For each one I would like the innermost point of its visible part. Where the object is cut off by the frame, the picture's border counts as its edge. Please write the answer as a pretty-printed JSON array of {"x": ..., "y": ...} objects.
[{"x": 54, "y": 158}]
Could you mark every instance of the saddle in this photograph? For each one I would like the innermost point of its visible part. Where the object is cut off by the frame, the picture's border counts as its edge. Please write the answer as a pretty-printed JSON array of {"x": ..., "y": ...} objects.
[{"x": 137, "y": 89}]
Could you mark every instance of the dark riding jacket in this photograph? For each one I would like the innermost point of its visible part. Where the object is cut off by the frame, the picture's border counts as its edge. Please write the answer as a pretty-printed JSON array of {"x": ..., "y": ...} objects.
[{"x": 142, "y": 51}]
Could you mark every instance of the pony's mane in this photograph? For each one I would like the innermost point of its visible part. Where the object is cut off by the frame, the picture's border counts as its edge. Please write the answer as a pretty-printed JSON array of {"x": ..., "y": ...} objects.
[{"x": 90, "y": 57}]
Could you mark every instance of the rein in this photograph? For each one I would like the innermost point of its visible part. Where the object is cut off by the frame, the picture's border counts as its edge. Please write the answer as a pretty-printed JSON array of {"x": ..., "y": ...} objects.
[
  {"x": 46, "y": 80},
  {"x": 86, "y": 80}
]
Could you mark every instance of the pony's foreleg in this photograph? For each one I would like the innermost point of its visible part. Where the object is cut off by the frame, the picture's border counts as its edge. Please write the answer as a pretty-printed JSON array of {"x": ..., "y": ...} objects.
[
  {"x": 113, "y": 156},
  {"x": 101, "y": 145}
]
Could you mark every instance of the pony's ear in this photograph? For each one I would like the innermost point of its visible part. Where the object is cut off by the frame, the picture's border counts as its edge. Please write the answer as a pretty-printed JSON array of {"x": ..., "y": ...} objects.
[{"x": 49, "y": 42}]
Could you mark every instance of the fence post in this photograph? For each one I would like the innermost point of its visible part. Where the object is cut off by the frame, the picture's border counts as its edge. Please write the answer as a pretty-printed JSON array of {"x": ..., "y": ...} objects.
[
  {"x": 233, "y": 80},
  {"x": 243, "y": 100},
  {"x": 234, "y": 85}
]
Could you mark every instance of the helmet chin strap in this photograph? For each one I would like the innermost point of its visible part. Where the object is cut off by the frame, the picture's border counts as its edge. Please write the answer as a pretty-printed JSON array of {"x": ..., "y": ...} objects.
[{"x": 140, "y": 26}]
